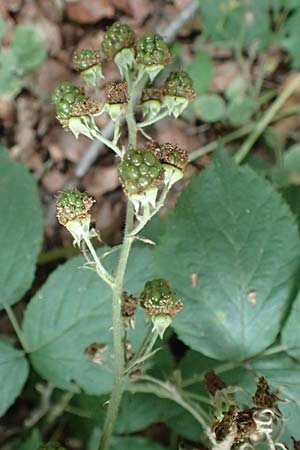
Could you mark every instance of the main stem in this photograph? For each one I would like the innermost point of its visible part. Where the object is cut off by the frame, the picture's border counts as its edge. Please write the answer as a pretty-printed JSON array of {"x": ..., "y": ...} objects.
[{"x": 117, "y": 291}]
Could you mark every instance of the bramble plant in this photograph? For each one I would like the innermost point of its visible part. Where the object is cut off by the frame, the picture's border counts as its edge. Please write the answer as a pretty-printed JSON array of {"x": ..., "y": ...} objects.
[
  {"x": 222, "y": 272},
  {"x": 146, "y": 174}
]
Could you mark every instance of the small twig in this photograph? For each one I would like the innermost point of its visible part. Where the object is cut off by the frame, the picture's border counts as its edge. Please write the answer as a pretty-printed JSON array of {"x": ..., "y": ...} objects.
[
  {"x": 170, "y": 391},
  {"x": 267, "y": 118},
  {"x": 16, "y": 326}
]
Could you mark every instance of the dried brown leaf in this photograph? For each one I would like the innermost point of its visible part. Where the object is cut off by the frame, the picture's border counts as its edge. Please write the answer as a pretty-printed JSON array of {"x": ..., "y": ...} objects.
[{"x": 90, "y": 11}]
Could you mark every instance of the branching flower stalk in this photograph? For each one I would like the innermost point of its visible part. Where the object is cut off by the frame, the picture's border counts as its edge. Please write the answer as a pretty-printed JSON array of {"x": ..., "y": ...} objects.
[{"x": 147, "y": 173}]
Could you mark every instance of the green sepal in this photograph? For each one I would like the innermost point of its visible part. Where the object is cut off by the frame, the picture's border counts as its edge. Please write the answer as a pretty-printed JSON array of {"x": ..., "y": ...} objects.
[
  {"x": 147, "y": 197},
  {"x": 79, "y": 228},
  {"x": 81, "y": 125},
  {"x": 175, "y": 105},
  {"x": 124, "y": 60},
  {"x": 115, "y": 110},
  {"x": 160, "y": 324},
  {"x": 172, "y": 175},
  {"x": 151, "y": 108},
  {"x": 92, "y": 75},
  {"x": 151, "y": 71}
]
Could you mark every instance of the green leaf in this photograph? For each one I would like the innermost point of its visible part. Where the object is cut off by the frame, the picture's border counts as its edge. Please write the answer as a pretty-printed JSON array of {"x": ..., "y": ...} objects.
[
  {"x": 292, "y": 197},
  {"x": 73, "y": 310},
  {"x": 124, "y": 443},
  {"x": 10, "y": 82},
  {"x": 2, "y": 27},
  {"x": 291, "y": 412},
  {"x": 291, "y": 331},
  {"x": 289, "y": 173},
  {"x": 282, "y": 374},
  {"x": 28, "y": 48},
  {"x": 20, "y": 229},
  {"x": 33, "y": 441},
  {"x": 209, "y": 107},
  {"x": 289, "y": 38},
  {"x": 136, "y": 443},
  {"x": 240, "y": 110},
  {"x": 237, "y": 87},
  {"x": 139, "y": 410},
  {"x": 201, "y": 71},
  {"x": 13, "y": 374},
  {"x": 242, "y": 23},
  {"x": 186, "y": 426},
  {"x": 226, "y": 232}
]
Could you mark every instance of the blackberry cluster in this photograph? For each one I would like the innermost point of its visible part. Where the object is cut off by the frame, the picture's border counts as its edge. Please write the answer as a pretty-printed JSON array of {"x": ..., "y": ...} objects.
[
  {"x": 67, "y": 90},
  {"x": 85, "y": 59},
  {"x": 158, "y": 299},
  {"x": 73, "y": 205},
  {"x": 116, "y": 38},
  {"x": 139, "y": 171},
  {"x": 179, "y": 84},
  {"x": 70, "y": 102},
  {"x": 152, "y": 50}
]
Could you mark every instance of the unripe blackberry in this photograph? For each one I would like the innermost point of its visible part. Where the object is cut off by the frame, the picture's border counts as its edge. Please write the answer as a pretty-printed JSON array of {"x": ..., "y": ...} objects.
[
  {"x": 70, "y": 102},
  {"x": 179, "y": 84},
  {"x": 158, "y": 299},
  {"x": 140, "y": 171},
  {"x": 64, "y": 89},
  {"x": 169, "y": 154},
  {"x": 73, "y": 205},
  {"x": 116, "y": 38},
  {"x": 151, "y": 50},
  {"x": 151, "y": 101},
  {"x": 86, "y": 58},
  {"x": 178, "y": 90},
  {"x": 161, "y": 303}
]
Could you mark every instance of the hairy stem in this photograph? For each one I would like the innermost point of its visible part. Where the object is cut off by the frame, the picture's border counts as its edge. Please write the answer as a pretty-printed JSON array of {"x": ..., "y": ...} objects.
[
  {"x": 117, "y": 291},
  {"x": 102, "y": 272},
  {"x": 112, "y": 145},
  {"x": 149, "y": 216}
]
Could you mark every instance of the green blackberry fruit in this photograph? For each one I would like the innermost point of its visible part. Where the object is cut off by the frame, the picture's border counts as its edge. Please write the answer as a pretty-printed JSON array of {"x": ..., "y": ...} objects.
[
  {"x": 116, "y": 38},
  {"x": 151, "y": 50},
  {"x": 179, "y": 84},
  {"x": 73, "y": 205},
  {"x": 64, "y": 89},
  {"x": 158, "y": 299},
  {"x": 85, "y": 59},
  {"x": 139, "y": 171}
]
